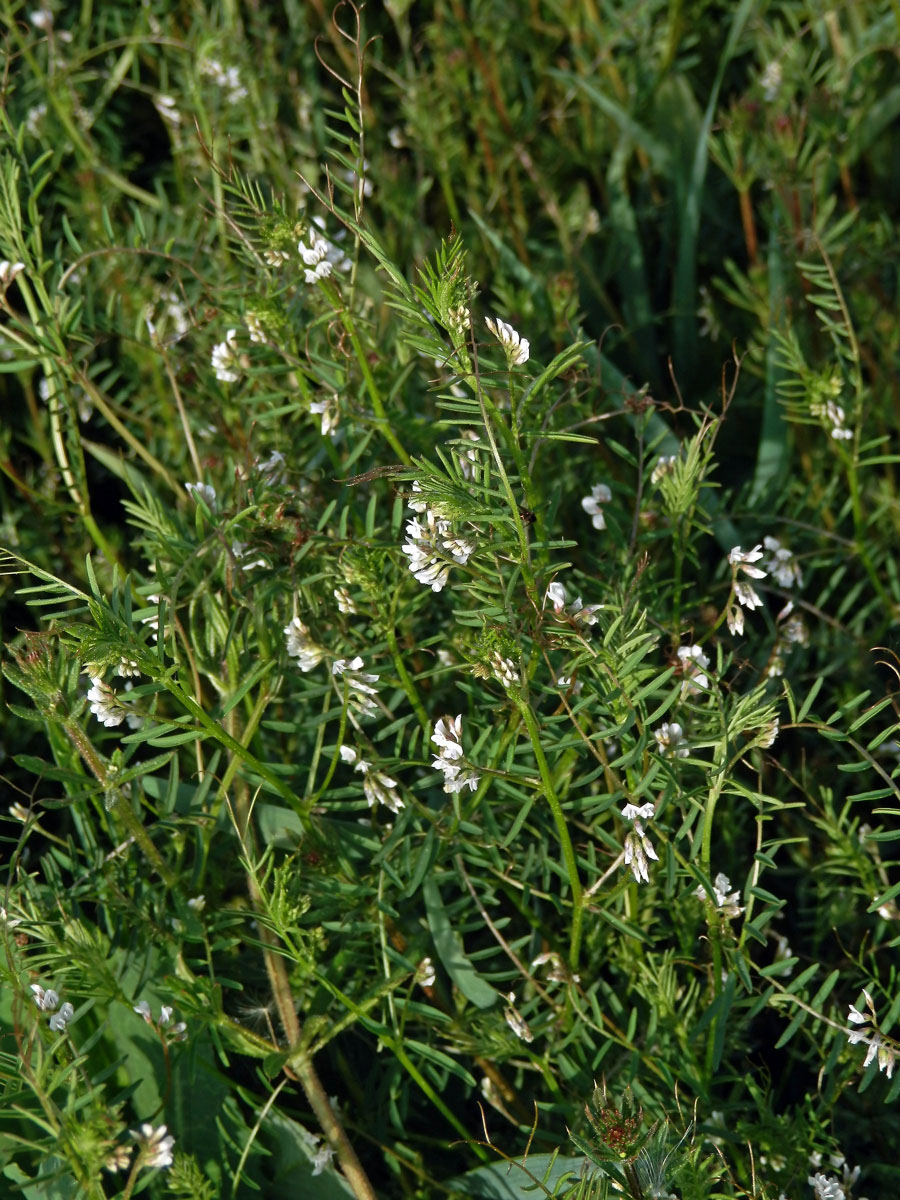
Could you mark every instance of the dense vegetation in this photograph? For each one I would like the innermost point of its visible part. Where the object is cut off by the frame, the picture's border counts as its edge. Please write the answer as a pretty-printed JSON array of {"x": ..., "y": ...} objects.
[{"x": 450, "y": 599}]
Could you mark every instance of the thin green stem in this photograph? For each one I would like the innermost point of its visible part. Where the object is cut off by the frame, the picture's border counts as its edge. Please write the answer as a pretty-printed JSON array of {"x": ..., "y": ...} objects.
[{"x": 562, "y": 828}]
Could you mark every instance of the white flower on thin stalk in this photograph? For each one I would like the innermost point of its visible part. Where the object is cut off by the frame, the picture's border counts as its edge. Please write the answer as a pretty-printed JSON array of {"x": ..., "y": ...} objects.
[
  {"x": 104, "y": 704},
  {"x": 556, "y": 594},
  {"x": 742, "y": 592},
  {"x": 638, "y": 848},
  {"x": 668, "y": 739},
  {"x": 378, "y": 787},
  {"x": 868, "y": 1033},
  {"x": 517, "y": 348},
  {"x": 301, "y": 646},
  {"x": 593, "y": 504},
  {"x": 225, "y": 357}
]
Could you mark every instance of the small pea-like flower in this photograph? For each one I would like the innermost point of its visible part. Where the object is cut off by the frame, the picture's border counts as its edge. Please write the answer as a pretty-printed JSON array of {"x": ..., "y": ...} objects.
[
  {"x": 61, "y": 1019},
  {"x": 228, "y": 79},
  {"x": 593, "y": 504},
  {"x": 359, "y": 684},
  {"x": 884, "y": 1050},
  {"x": 504, "y": 669},
  {"x": 254, "y": 327},
  {"x": 378, "y": 787},
  {"x": 128, "y": 668},
  {"x": 47, "y": 1000},
  {"x": 556, "y": 594},
  {"x": 782, "y": 564},
  {"x": 668, "y": 739},
  {"x": 301, "y": 646},
  {"x": 205, "y": 491},
  {"x": 638, "y": 848},
  {"x": 825, "y": 1188},
  {"x": 742, "y": 592},
  {"x": 104, "y": 704},
  {"x": 664, "y": 466},
  {"x": 693, "y": 669},
  {"x": 321, "y": 1159},
  {"x": 583, "y": 614},
  {"x": 344, "y": 600},
  {"x": 725, "y": 899},
  {"x": 155, "y": 1145},
  {"x": 515, "y": 1020},
  {"x": 225, "y": 357},
  {"x": 432, "y": 549},
  {"x": 517, "y": 348},
  {"x": 8, "y": 272},
  {"x": 451, "y": 759},
  {"x": 329, "y": 412},
  {"x": 426, "y": 974},
  {"x": 832, "y": 414},
  {"x": 315, "y": 256}
]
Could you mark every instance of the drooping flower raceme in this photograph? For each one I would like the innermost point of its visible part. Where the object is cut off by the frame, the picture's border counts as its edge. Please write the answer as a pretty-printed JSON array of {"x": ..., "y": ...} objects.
[
  {"x": 517, "y": 348},
  {"x": 432, "y": 549},
  {"x": 450, "y": 760},
  {"x": 378, "y": 788},
  {"x": 155, "y": 1146},
  {"x": 593, "y": 504},
  {"x": 638, "y": 848},
  {"x": 359, "y": 684},
  {"x": 743, "y": 593},
  {"x": 868, "y": 1033}
]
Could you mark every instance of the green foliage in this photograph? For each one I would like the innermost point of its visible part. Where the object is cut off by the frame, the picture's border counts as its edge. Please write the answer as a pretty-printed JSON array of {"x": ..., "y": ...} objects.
[{"x": 448, "y": 506}]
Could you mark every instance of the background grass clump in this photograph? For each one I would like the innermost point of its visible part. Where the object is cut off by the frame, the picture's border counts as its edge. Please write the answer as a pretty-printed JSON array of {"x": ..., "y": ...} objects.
[{"x": 449, "y": 600}]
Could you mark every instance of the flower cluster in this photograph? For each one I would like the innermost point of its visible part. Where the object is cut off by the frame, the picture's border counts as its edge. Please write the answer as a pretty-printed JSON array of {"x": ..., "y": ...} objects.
[
  {"x": 432, "y": 549},
  {"x": 668, "y": 739},
  {"x": 637, "y": 845},
  {"x": 592, "y": 504},
  {"x": 743, "y": 595},
  {"x": 884, "y": 1051},
  {"x": 154, "y": 1146},
  {"x": 359, "y": 684},
  {"x": 693, "y": 663},
  {"x": 228, "y": 79},
  {"x": 105, "y": 704},
  {"x": 831, "y": 413},
  {"x": 205, "y": 492},
  {"x": 319, "y": 255},
  {"x": 582, "y": 614},
  {"x": 782, "y": 564},
  {"x": 792, "y": 631},
  {"x": 377, "y": 787},
  {"x": 725, "y": 899},
  {"x": 505, "y": 670},
  {"x": 301, "y": 646},
  {"x": 450, "y": 761},
  {"x": 328, "y": 411},
  {"x": 48, "y": 1001},
  {"x": 164, "y": 1027},
  {"x": 517, "y": 348},
  {"x": 225, "y": 357}
]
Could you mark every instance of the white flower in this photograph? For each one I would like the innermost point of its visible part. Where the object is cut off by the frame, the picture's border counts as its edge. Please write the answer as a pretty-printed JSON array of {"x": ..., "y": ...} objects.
[
  {"x": 205, "y": 491},
  {"x": 225, "y": 358},
  {"x": 450, "y": 762},
  {"x": 516, "y": 1021},
  {"x": 142, "y": 1008},
  {"x": 344, "y": 600},
  {"x": 128, "y": 668},
  {"x": 60, "y": 1020},
  {"x": 276, "y": 258},
  {"x": 556, "y": 594},
  {"x": 826, "y": 1189},
  {"x": 167, "y": 107},
  {"x": 770, "y": 80},
  {"x": 321, "y": 1159},
  {"x": 273, "y": 467},
  {"x": 425, "y": 973},
  {"x": 319, "y": 255},
  {"x": 832, "y": 414},
  {"x": 329, "y": 412},
  {"x": 6, "y": 920},
  {"x": 504, "y": 669},
  {"x": 254, "y": 327},
  {"x": 600, "y": 494},
  {"x": 668, "y": 737},
  {"x": 741, "y": 591},
  {"x": 430, "y": 545},
  {"x": 104, "y": 705},
  {"x": 228, "y": 79},
  {"x": 583, "y": 614},
  {"x": 47, "y": 1000},
  {"x": 379, "y": 789},
  {"x": 155, "y": 1146},
  {"x": 359, "y": 684},
  {"x": 693, "y": 667},
  {"x": 301, "y": 646},
  {"x": 664, "y": 466},
  {"x": 638, "y": 848},
  {"x": 516, "y": 347},
  {"x": 8, "y": 272},
  {"x": 41, "y": 18},
  {"x": 725, "y": 899},
  {"x": 782, "y": 564}
]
